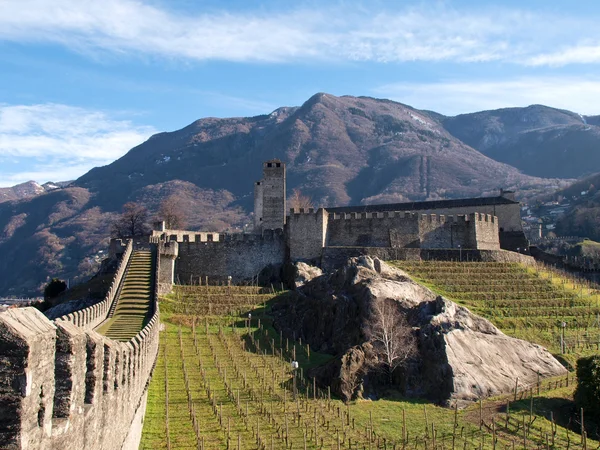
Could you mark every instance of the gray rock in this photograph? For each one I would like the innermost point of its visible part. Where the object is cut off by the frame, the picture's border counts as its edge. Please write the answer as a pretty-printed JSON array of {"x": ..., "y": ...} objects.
[
  {"x": 305, "y": 273},
  {"x": 461, "y": 357}
]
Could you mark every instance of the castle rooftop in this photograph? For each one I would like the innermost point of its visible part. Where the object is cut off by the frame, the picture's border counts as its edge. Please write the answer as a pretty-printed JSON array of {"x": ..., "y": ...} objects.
[{"x": 435, "y": 204}]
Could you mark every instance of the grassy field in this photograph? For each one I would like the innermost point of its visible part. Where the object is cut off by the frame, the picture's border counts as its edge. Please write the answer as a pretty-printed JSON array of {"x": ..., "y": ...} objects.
[
  {"x": 223, "y": 381},
  {"x": 132, "y": 307},
  {"x": 529, "y": 303}
]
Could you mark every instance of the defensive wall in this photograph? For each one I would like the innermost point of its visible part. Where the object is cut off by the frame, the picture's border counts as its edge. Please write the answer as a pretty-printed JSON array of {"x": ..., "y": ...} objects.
[
  {"x": 334, "y": 257},
  {"x": 487, "y": 223},
  {"x": 64, "y": 386},
  {"x": 241, "y": 256},
  {"x": 504, "y": 207},
  {"x": 310, "y": 232}
]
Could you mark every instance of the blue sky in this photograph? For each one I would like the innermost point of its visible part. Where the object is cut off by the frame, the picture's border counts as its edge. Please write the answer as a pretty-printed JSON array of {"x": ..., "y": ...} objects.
[{"x": 81, "y": 82}]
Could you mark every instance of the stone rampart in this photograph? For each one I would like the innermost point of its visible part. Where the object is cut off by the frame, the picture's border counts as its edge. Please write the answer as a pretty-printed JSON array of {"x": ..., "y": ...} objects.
[
  {"x": 62, "y": 385},
  {"x": 410, "y": 230},
  {"x": 486, "y": 231},
  {"x": 334, "y": 257},
  {"x": 307, "y": 232},
  {"x": 184, "y": 236},
  {"x": 241, "y": 256},
  {"x": 373, "y": 229},
  {"x": 94, "y": 315},
  {"x": 440, "y": 231}
]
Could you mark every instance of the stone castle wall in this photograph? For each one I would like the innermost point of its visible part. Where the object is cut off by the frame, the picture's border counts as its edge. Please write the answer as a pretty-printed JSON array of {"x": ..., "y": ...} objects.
[
  {"x": 64, "y": 386},
  {"x": 306, "y": 233},
  {"x": 334, "y": 257},
  {"x": 509, "y": 216},
  {"x": 241, "y": 256},
  {"x": 310, "y": 232},
  {"x": 373, "y": 230},
  {"x": 94, "y": 315}
]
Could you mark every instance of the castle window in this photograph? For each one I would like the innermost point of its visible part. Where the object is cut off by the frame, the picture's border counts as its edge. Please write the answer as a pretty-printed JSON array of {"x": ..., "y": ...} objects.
[
  {"x": 269, "y": 164},
  {"x": 278, "y": 165}
]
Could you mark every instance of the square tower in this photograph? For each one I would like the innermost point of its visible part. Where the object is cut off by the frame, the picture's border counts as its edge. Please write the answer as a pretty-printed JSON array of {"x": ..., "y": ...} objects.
[{"x": 269, "y": 197}]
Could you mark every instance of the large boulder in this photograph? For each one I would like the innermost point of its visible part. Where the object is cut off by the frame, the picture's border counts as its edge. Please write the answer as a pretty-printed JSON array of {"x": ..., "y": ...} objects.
[
  {"x": 305, "y": 273},
  {"x": 461, "y": 357}
]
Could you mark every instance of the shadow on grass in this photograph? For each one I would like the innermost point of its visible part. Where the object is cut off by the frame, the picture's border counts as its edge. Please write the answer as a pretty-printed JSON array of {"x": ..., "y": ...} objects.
[{"x": 563, "y": 410}]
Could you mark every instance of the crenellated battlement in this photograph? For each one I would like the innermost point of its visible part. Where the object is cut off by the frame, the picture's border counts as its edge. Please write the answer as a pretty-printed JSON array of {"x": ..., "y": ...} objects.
[
  {"x": 299, "y": 211},
  {"x": 70, "y": 387},
  {"x": 373, "y": 215},
  {"x": 205, "y": 237},
  {"x": 481, "y": 217}
]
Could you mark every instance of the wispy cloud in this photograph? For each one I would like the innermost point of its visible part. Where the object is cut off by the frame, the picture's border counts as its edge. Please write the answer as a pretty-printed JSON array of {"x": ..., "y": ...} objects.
[
  {"x": 578, "y": 54},
  {"x": 59, "y": 142},
  {"x": 577, "y": 94},
  {"x": 326, "y": 33}
]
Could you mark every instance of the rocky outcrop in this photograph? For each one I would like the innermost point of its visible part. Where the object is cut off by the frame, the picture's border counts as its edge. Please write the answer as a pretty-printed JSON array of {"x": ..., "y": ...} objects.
[
  {"x": 461, "y": 357},
  {"x": 305, "y": 272}
]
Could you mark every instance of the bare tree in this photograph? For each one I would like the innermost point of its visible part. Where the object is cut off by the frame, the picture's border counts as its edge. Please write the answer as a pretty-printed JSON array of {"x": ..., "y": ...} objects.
[
  {"x": 391, "y": 335},
  {"x": 299, "y": 200},
  {"x": 171, "y": 213},
  {"x": 133, "y": 221}
]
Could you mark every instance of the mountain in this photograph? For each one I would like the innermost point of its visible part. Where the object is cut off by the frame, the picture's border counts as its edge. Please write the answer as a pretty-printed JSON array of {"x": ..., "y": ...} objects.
[
  {"x": 338, "y": 150},
  {"x": 28, "y": 189},
  {"x": 583, "y": 214},
  {"x": 537, "y": 140}
]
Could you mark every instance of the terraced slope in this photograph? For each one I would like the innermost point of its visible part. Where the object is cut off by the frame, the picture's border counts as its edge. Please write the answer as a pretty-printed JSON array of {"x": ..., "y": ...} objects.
[
  {"x": 530, "y": 303},
  {"x": 130, "y": 311}
]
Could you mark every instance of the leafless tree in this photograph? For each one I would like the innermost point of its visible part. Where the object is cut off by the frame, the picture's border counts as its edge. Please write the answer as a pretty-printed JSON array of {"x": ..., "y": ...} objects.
[
  {"x": 133, "y": 221},
  {"x": 299, "y": 200},
  {"x": 390, "y": 334},
  {"x": 172, "y": 214}
]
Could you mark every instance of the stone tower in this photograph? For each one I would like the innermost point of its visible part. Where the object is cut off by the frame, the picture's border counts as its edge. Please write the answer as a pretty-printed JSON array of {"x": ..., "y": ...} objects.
[{"x": 269, "y": 197}]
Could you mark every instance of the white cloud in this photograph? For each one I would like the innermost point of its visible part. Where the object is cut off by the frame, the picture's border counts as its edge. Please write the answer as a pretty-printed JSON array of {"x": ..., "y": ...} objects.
[
  {"x": 578, "y": 94},
  {"x": 425, "y": 33},
  {"x": 579, "y": 54},
  {"x": 60, "y": 142}
]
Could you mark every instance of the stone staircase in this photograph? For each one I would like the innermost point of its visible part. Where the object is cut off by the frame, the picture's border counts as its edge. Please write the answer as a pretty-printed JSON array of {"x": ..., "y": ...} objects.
[{"x": 130, "y": 311}]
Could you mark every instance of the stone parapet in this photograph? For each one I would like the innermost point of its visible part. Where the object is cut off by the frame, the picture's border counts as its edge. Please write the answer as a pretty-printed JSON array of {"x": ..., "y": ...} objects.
[
  {"x": 94, "y": 315},
  {"x": 63, "y": 385}
]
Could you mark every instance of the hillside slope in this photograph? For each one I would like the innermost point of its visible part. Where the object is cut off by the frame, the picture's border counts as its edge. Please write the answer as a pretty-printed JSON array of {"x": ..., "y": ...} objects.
[
  {"x": 537, "y": 140},
  {"x": 28, "y": 189},
  {"x": 338, "y": 151}
]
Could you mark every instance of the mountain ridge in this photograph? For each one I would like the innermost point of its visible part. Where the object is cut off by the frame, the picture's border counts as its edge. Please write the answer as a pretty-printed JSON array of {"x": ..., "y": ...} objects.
[
  {"x": 538, "y": 140},
  {"x": 338, "y": 150}
]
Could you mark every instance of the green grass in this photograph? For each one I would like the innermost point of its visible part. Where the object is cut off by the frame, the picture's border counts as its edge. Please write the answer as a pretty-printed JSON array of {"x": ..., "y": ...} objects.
[
  {"x": 528, "y": 303},
  {"x": 226, "y": 349},
  {"x": 134, "y": 302}
]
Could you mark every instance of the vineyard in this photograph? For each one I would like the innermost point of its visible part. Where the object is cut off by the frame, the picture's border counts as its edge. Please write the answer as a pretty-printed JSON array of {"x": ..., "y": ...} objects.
[
  {"x": 536, "y": 303},
  {"x": 224, "y": 380}
]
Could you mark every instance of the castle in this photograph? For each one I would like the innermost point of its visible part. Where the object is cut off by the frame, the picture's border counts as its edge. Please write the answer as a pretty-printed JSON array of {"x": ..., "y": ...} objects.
[
  {"x": 327, "y": 236},
  {"x": 65, "y": 385}
]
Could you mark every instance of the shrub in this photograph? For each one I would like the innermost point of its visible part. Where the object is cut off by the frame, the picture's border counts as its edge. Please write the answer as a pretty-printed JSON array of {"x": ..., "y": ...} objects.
[
  {"x": 55, "y": 287},
  {"x": 587, "y": 395}
]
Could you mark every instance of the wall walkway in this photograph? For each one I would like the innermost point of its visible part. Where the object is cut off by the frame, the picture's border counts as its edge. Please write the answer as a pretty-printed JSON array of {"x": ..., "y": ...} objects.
[{"x": 65, "y": 386}]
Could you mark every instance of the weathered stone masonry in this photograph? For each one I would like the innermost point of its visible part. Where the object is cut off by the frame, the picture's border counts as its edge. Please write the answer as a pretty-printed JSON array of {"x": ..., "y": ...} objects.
[
  {"x": 311, "y": 233},
  {"x": 484, "y": 224},
  {"x": 64, "y": 386},
  {"x": 240, "y": 256}
]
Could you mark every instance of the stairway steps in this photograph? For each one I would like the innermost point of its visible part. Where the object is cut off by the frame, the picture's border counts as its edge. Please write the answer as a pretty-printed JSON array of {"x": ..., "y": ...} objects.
[{"x": 130, "y": 310}]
